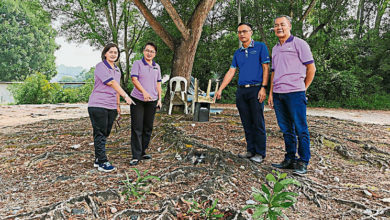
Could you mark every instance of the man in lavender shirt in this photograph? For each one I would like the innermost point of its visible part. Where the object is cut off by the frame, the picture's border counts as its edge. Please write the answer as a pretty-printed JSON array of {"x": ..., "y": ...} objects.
[{"x": 293, "y": 71}]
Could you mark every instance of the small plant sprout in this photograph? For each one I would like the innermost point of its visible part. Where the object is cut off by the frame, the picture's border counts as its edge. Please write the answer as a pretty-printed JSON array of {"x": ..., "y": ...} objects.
[
  {"x": 139, "y": 187},
  {"x": 273, "y": 201},
  {"x": 205, "y": 209}
]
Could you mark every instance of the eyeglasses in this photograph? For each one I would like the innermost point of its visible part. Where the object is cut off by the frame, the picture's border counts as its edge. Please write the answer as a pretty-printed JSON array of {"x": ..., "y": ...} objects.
[
  {"x": 150, "y": 51},
  {"x": 243, "y": 32}
]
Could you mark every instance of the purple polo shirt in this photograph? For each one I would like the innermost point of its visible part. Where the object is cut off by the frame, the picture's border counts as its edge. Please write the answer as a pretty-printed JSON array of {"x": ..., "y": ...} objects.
[
  {"x": 289, "y": 64},
  {"x": 102, "y": 95},
  {"x": 148, "y": 76}
]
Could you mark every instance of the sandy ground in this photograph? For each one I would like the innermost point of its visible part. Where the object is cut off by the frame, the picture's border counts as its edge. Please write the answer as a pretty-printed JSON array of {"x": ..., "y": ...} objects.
[{"x": 14, "y": 115}]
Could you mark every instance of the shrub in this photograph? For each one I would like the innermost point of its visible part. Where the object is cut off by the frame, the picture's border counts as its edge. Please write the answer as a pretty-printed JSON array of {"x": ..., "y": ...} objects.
[
  {"x": 272, "y": 201},
  {"x": 35, "y": 90}
]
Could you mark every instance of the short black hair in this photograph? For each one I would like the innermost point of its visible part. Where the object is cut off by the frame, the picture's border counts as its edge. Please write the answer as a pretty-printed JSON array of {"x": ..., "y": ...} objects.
[
  {"x": 107, "y": 48},
  {"x": 245, "y": 23},
  {"x": 150, "y": 44}
]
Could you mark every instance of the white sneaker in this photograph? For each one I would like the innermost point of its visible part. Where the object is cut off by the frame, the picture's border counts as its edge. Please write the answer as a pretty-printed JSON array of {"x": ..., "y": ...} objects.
[{"x": 257, "y": 158}]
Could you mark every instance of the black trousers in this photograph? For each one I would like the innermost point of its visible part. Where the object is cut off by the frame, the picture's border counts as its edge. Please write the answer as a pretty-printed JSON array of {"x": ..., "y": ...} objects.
[
  {"x": 142, "y": 117},
  {"x": 102, "y": 120},
  {"x": 252, "y": 118}
]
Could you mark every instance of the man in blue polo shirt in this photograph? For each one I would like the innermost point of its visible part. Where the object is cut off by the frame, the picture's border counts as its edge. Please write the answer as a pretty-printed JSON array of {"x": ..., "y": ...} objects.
[{"x": 252, "y": 61}]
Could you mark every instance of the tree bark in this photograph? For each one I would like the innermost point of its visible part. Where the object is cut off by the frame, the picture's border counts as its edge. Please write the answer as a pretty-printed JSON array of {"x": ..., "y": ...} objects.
[
  {"x": 382, "y": 5},
  {"x": 308, "y": 10}
]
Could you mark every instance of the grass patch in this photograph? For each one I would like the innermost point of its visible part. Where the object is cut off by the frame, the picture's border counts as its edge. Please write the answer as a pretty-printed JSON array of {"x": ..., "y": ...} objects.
[
  {"x": 368, "y": 102},
  {"x": 329, "y": 144},
  {"x": 35, "y": 146},
  {"x": 11, "y": 146}
]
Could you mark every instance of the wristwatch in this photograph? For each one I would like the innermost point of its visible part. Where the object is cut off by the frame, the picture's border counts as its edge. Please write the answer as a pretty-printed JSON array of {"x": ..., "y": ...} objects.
[{"x": 264, "y": 86}]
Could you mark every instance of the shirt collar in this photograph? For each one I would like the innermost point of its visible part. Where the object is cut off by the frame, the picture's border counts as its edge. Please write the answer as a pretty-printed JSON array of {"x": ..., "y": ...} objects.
[
  {"x": 145, "y": 63},
  {"x": 252, "y": 44},
  {"x": 291, "y": 38},
  {"x": 108, "y": 65}
]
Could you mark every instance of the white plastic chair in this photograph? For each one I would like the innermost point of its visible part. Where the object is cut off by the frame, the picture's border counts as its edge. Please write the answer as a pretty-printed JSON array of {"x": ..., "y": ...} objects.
[{"x": 178, "y": 80}]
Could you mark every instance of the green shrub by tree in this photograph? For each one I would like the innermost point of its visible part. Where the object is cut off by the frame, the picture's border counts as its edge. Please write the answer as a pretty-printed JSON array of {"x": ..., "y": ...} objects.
[
  {"x": 139, "y": 187},
  {"x": 36, "y": 89},
  {"x": 273, "y": 201}
]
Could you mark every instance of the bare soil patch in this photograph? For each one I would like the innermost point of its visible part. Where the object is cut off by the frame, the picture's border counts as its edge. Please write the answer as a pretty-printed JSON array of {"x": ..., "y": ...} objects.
[{"x": 43, "y": 176}]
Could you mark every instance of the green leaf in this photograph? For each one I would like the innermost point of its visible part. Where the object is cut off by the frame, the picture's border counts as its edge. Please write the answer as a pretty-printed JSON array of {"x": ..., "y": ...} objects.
[
  {"x": 260, "y": 198},
  {"x": 151, "y": 177},
  {"x": 278, "y": 187},
  {"x": 214, "y": 203},
  {"x": 261, "y": 210},
  {"x": 283, "y": 175},
  {"x": 265, "y": 190},
  {"x": 286, "y": 204},
  {"x": 137, "y": 172},
  {"x": 270, "y": 178},
  {"x": 282, "y": 196},
  {"x": 290, "y": 181},
  {"x": 249, "y": 206},
  {"x": 272, "y": 215},
  {"x": 218, "y": 215}
]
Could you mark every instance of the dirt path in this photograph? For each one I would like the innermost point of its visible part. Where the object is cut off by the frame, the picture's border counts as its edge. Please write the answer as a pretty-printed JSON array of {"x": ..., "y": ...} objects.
[{"x": 13, "y": 115}]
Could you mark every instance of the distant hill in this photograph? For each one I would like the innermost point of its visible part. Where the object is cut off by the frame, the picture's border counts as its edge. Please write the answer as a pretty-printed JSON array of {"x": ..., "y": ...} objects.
[{"x": 68, "y": 71}]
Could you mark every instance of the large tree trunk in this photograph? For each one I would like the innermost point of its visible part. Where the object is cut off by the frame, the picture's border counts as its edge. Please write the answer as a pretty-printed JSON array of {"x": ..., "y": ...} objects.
[{"x": 185, "y": 50}]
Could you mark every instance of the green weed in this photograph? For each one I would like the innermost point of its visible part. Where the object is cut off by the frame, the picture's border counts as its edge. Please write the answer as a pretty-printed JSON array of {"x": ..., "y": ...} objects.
[
  {"x": 139, "y": 187},
  {"x": 272, "y": 201},
  {"x": 205, "y": 209}
]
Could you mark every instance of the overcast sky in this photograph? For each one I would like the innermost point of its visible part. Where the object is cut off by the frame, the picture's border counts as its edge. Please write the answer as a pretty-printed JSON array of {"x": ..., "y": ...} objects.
[{"x": 71, "y": 54}]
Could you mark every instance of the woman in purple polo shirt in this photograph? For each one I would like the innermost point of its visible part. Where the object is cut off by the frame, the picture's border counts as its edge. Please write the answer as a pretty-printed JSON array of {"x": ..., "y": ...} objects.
[
  {"x": 146, "y": 77},
  {"x": 103, "y": 104}
]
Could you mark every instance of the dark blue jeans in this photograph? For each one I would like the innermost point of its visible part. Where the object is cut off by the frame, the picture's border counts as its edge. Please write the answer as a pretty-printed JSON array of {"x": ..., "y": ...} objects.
[
  {"x": 252, "y": 118},
  {"x": 290, "y": 110}
]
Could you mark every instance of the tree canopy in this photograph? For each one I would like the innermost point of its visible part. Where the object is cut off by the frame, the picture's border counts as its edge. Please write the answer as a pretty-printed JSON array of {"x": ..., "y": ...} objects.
[
  {"x": 100, "y": 22},
  {"x": 26, "y": 41}
]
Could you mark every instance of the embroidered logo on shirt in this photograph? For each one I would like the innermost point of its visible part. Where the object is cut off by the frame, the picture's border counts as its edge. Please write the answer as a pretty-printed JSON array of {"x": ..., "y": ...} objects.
[{"x": 253, "y": 52}]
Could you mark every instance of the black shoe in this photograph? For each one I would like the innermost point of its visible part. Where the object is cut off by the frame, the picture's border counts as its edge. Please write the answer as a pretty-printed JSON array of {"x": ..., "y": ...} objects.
[
  {"x": 285, "y": 164},
  {"x": 134, "y": 162},
  {"x": 246, "y": 155},
  {"x": 301, "y": 168},
  {"x": 146, "y": 157}
]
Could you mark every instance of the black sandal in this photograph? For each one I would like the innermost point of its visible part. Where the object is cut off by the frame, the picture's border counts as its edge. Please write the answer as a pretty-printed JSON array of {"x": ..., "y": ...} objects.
[{"x": 134, "y": 162}]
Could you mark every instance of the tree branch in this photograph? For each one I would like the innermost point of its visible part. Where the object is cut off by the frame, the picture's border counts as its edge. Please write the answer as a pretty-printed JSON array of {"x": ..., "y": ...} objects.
[
  {"x": 157, "y": 27},
  {"x": 200, "y": 14},
  {"x": 308, "y": 10},
  {"x": 176, "y": 18}
]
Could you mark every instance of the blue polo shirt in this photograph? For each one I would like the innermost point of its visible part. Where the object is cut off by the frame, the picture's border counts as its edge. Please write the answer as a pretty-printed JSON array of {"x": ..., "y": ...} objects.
[{"x": 249, "y": 61}]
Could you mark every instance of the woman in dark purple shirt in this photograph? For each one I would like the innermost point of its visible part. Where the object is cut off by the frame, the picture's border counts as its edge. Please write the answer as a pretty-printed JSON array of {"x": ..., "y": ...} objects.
[
  {"x": 104, "y": 103},
  {"x": 146, "y": 77}
]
